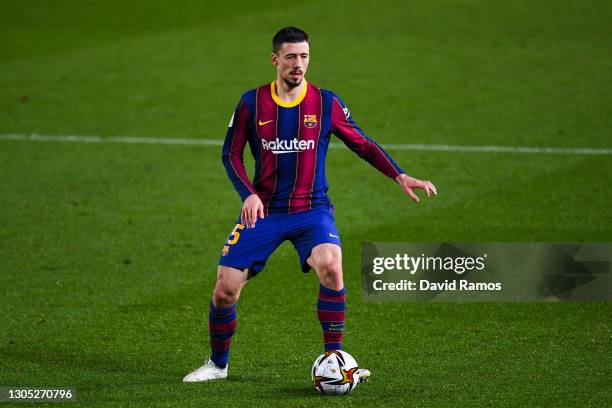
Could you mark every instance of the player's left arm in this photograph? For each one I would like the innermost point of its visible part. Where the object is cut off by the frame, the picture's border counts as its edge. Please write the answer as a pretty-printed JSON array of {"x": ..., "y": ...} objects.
[{"x": 347, "y": 130}]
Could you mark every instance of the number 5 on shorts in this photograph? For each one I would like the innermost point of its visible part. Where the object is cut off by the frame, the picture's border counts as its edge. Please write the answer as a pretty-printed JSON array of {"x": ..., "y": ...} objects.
[{"x": 235, "y": 234}]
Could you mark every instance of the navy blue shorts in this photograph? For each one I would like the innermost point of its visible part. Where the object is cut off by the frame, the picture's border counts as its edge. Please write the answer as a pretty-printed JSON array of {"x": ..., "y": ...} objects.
[{"x": 250, "y": 248}]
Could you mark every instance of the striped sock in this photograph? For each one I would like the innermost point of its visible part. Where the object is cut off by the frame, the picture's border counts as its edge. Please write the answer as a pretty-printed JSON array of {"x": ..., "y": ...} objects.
[
  {"x": 222, "y": 326},
  {"x": 331, "y": 307}
]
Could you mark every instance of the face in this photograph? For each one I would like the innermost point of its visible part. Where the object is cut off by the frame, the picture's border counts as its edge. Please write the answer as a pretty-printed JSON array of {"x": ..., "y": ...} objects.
[{"x": 292, "y": 62}]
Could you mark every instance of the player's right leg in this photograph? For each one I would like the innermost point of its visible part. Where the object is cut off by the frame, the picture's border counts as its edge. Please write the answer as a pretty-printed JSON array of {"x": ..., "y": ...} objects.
[
  {"x": 244, "y": 255},
  {"x": 221, "y": 323}
]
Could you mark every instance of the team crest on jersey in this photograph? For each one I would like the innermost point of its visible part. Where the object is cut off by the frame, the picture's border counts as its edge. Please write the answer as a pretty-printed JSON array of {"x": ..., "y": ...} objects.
[{"x": 310, "y": 121}]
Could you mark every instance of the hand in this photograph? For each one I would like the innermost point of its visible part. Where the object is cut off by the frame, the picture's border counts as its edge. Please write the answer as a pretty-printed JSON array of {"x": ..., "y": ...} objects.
[
  {"x": 409, "y": 183},
  {"x": 251, "y": 208}
]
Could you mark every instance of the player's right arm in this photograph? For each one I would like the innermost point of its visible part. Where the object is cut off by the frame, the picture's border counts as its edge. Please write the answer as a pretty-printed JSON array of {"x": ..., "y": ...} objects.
[{"x": 236, "y": 139}]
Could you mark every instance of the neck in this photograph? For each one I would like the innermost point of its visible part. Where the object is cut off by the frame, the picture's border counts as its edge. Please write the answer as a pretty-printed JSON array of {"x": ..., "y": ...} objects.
[{"x": 286, "y": 93}]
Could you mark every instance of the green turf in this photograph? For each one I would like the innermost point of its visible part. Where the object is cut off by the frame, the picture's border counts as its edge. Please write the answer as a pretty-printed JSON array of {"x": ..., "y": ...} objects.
[{"x": 108, "y": 251}]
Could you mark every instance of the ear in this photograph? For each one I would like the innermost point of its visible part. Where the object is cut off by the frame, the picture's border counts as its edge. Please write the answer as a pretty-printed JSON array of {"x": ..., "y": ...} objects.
[{"x": 274, "y": 58}]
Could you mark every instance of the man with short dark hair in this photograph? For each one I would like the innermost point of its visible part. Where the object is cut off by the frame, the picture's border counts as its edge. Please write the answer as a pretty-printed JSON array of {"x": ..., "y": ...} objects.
[{"x": 288, "y": 124}]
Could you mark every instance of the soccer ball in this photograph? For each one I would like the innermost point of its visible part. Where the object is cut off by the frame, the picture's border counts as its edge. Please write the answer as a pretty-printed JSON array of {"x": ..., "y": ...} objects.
[{"x": 335, "y": 373}]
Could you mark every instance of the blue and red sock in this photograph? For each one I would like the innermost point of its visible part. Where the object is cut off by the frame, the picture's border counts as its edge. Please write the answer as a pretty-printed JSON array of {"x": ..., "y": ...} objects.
[
  {"x": 331, "y": 308},
  {"x": 222, "y": 326}
]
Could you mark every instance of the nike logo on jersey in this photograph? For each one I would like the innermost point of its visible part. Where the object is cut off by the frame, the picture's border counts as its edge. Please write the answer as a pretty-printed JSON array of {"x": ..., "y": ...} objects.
[
  {"x": 261, "y": 122},
  {"x": 294, "y": 145},
  {"x": 333, "y": 236}
]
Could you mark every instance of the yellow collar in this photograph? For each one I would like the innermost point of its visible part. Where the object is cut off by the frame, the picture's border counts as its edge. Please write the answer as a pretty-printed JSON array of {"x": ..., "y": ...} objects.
[{"x": 291, "y": 104}]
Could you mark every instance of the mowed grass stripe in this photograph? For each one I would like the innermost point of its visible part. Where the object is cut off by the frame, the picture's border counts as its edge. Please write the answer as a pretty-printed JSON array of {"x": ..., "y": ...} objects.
[{"x": 393, "y": 146}]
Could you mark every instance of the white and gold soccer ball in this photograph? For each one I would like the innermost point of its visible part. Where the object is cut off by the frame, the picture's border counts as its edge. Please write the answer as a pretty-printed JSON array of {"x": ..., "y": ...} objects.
[{"x": 335, "y": 373}]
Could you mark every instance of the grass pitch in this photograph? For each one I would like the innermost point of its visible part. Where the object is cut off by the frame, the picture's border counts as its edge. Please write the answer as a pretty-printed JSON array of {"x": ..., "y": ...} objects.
[{"x": 108, "y": 251}]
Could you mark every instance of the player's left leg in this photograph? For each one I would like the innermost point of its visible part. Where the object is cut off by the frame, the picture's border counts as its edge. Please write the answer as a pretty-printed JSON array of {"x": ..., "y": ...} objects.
[
  {"x": 326, "y": 260},
  {"x": 317, "y": 242}
]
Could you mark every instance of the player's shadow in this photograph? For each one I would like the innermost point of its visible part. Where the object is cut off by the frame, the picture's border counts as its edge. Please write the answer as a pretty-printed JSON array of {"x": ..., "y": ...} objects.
[
  {"x": 250, "y": 379},
  {"x": 298, "y": 392},
  {"x": 301, "y": 391}
]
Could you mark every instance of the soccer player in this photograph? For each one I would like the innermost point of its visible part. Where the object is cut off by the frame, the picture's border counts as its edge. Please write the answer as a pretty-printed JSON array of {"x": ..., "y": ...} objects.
[{"x": 288, "y": 125}]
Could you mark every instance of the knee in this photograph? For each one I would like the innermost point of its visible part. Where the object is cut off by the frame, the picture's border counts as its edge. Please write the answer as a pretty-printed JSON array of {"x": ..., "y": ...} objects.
[
  {"x": 225, "y": 296},
  {"x": 229, "y": 284},
  {"x": 329, "y": 269}
]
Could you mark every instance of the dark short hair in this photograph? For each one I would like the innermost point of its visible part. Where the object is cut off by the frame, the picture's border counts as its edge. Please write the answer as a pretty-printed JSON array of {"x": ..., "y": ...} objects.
[{"x": 288, "y": 35}]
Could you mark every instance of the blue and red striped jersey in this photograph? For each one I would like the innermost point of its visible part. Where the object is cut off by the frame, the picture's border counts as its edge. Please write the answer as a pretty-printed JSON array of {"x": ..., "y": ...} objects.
[{"x": 289, "y": 142}]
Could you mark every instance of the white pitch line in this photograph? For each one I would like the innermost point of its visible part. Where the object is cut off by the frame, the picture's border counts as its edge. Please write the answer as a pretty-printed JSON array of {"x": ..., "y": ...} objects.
[
  {"x": 114, "y": 139},
  {"x": 218, "y": 142}
]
